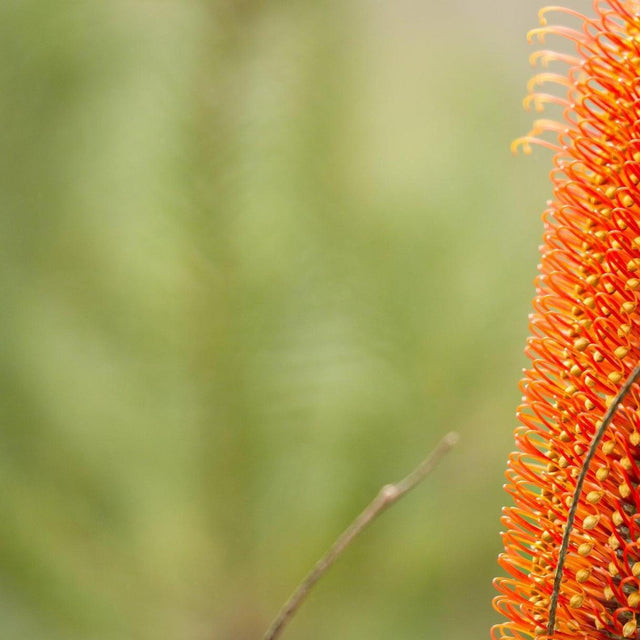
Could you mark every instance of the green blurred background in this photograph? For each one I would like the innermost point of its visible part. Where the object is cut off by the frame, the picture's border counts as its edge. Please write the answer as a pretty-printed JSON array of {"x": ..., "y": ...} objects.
[{"x": 257, "y": 257}]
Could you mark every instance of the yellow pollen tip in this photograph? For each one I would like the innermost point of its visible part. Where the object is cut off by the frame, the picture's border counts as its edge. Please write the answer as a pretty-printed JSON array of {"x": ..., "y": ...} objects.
[
  {"x": 576, "y": 601},
  {"x": 573, "y": 626},
  {"x": 594, "y": 496},
  {"x": 583, "y": 575},
  {"x": 629, "y": 629},
  {"x": 580, "y": 344},
  {"x": 521, "y": 144},
  {"x": 585, "y": 549},
  {"x": 633, "y": 599}
]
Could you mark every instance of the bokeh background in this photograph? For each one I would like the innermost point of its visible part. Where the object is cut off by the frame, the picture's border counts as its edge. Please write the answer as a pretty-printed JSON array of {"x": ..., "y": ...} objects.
[{"x": 257, "y": 257}]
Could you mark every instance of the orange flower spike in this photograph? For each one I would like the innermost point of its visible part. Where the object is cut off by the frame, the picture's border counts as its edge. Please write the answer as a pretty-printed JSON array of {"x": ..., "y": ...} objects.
[{"x": 585, "y": 342}]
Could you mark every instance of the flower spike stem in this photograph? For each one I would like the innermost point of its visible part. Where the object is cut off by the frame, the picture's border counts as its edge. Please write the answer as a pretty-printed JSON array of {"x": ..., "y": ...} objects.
[
  {"x": 608, "y": 417},
  {"x": 388, "y": 495}
]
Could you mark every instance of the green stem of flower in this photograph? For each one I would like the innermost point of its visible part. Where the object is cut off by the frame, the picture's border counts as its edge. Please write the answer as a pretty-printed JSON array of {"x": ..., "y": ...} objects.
[
  {"x": 387, "y": 496},
  {"x": 608, "y": 417}
]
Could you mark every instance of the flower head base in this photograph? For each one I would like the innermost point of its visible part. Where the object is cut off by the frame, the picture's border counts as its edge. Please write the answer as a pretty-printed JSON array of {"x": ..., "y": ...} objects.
[{"x": 585, "y": 341}]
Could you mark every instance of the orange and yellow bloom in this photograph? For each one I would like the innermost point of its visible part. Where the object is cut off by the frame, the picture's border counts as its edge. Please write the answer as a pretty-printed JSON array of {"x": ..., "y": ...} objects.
[{"x": 585, "y": 340}]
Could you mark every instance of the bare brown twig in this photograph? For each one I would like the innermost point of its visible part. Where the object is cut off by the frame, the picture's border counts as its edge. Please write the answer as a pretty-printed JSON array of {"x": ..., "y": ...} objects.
[
  {"x": 388, "y": 495},
  {"x": 608, "y": 417}
]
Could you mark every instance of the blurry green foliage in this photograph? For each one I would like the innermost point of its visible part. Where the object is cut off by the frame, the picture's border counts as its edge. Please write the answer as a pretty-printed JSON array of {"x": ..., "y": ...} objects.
[{"x": 257, "y": 257}]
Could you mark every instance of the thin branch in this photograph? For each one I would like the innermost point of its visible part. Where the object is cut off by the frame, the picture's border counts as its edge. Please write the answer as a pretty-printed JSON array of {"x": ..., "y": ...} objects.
[
  {"x": 388, "y": 495},
  {"x": 608, "y": 417}
]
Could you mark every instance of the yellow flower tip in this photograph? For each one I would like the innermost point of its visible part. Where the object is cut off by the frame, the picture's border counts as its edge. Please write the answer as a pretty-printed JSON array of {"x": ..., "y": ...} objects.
[
  {"x": 536, "y": 100},
  {"x": 576, "y": 601},
  {"x": 629, "y": 629},
  {"x": 573, "y": 626},
  {"x": 539, "y": 56},
  {"x": 615, "y": 377},
  {"x": 583, "y": 575},
  {"x": 523, "y": 144},
  {"x": 594, "y": 497},
  {"x": 633, "y": 283},
  {"x": 633, "y": 599},
  {"x": 581, "y": 344},
  {"x": 621, "y": 352},
  {"x": 538, "y": 33},
  {"x": 625, "y": 490},
  {"x": 633, "y": 264},
  {"x": 541, "y": 16},
  {"x": 627, "y": 201}
]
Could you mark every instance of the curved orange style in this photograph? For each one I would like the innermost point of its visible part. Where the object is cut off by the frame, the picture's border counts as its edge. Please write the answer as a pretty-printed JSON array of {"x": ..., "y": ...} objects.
[{"x": 585, "y": 341}]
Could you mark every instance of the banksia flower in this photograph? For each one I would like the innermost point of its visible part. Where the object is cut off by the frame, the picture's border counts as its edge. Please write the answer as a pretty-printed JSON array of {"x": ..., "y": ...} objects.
[{"x": 585, "y": 342}]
